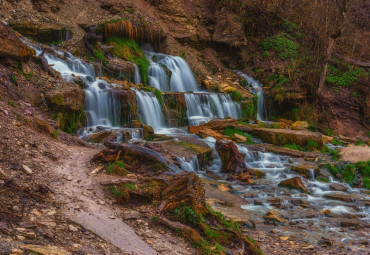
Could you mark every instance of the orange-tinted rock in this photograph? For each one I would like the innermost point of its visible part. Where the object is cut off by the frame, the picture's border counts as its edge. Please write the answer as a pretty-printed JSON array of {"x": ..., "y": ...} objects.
[
  {"x": 239, "y": 138},
  {"x": 275, "y": 216},
  {"x": 300, "y": 125},
  {"x": 294, "y": 183},
  {"x": 244, "y": 177},
  {"x": 12, "y": 47},
  {"x": 223, "y": 187},
  {"x": 231, "y": 158},
  {"x": 221, "y": 124},
  {"x": 204, "y": 132}
]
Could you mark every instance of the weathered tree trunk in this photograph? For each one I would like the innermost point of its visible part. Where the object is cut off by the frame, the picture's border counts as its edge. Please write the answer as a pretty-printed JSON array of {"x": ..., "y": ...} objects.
[{"x": 329, "y": 52}]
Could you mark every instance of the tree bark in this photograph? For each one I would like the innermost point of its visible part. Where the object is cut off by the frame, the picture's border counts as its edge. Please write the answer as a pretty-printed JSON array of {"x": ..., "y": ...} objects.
[{"x": 329, "y": 52}]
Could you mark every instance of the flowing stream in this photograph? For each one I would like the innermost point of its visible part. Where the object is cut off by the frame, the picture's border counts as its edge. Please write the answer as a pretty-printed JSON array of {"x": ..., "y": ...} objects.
[{"x": 256, "y": 88}]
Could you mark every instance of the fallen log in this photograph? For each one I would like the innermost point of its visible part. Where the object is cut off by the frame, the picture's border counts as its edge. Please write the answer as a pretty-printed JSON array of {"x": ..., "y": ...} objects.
[{"x": 142, "y": 154}]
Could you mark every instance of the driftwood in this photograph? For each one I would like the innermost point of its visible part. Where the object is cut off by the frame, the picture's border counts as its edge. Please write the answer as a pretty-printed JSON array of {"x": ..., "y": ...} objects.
[
  {"x": 352, "y": 61},
  {"x": 43, "y": 63},
  {"x": 91, "y": 39},
  {"x": 140, "y": 153}
]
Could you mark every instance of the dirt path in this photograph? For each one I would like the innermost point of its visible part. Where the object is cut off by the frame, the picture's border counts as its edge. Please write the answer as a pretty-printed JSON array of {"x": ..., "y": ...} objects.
[{"x": 86, "y": 204}]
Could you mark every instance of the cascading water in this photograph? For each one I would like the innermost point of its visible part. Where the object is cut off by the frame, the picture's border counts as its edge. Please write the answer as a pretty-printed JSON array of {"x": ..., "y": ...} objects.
[
  {"x": 150, "y": 110},
  {"x": 137, "y": 77},
  {"x": 189, "y": 166},
  {"x": 102, "y": 108},
  {"x": 257, "y": 89},
  {"x": 202, "y": 107},
  {"x": 181, "y": 78}
]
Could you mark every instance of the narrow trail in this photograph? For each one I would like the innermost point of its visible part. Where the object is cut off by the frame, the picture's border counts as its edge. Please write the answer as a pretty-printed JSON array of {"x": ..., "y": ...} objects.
[{"x": 85, "y": 203}]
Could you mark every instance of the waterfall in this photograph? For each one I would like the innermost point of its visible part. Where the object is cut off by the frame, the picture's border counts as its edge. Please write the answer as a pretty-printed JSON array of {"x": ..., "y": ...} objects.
[
  {"x": 181, "y": 76},
  {"x": 189, "y": 166},
  {"x": 202, "y": 107},
  {"x": 150, "y": 110},
  {"x": 102, "y": 108},
  {"x": 257, "y": 89}
]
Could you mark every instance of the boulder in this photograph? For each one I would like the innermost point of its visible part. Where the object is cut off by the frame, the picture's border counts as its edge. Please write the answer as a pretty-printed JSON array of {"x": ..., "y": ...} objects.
[
  {"x": 343, "y": 197},
  {"x": 231, "y": 158},
  {"x": 338, "y": 187},
  {"x": 129, "y": 109},
  {"x": 355, "y": 153},
  {"x": 327, "y": 139},
  {"x": 300, "y": 125},
  {"x": 239, "y": 138},
  {"x": 204, "y": 132},
  {"x": 294, "y": 183},
  {"x": 12, "y": 47},
  {"x": 286, "y": 136},
  {"x": 274, "y": 216},
  {"x": 148, "y": 132},
  {"x": 99, "y": 137},
  {"x": 176, "y": 109},
  {"x": 305, "y": 169},
  {"x": 67, "y": 102},
  {"x": 256, "y": 173},
  {"x": 221, "y": 124},
  {"x": 245, "y": 177}
]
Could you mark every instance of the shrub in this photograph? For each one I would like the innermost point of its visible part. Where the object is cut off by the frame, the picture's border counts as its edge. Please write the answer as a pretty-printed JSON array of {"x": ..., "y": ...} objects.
[
  {"x": 346, "y": 77},
  {"x": 282, "y": 45}
]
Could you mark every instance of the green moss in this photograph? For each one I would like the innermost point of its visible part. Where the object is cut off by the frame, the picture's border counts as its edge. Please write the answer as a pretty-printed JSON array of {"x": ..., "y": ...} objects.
[
  {"x": 70, "y": 121},
  {"x": 57, "y": 99},
  {"x": 117, "y": 168},
  {"x": 236, "y": 95},
  {"x": 249, "y": 109},
  {"x": 128, "y": 49}
]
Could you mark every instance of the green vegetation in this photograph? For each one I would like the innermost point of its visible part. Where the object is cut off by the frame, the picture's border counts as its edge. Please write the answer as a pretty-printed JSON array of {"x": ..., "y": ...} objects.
[
  {"x": 336, "y": 142},
  {"x": 310, "y": 146},
  {"x": 294, "y": 146},
  {"x": 154, "y": 218},
  {"x": 359, "y": 142},
  {"x": 14, "y": 79},
  {"x": 12, "y": 104},
  {"x": 230, "y": 131},
  {"x": 100, "y": 56},
  {"x": 70, "y": 121},
  {"x": 117, "y": 168},
  {"x": 345, "y": 77},
  {"x": 249, "y": 109},
  {"x": 55, "y": 133},
  {"x": 128, "y": 49},
  {"x": 356, "y": 174},
  {"x": 236, "y": 95},
  {"x": 322, "y": 179},
  {"x": 283, "y": 45}
]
